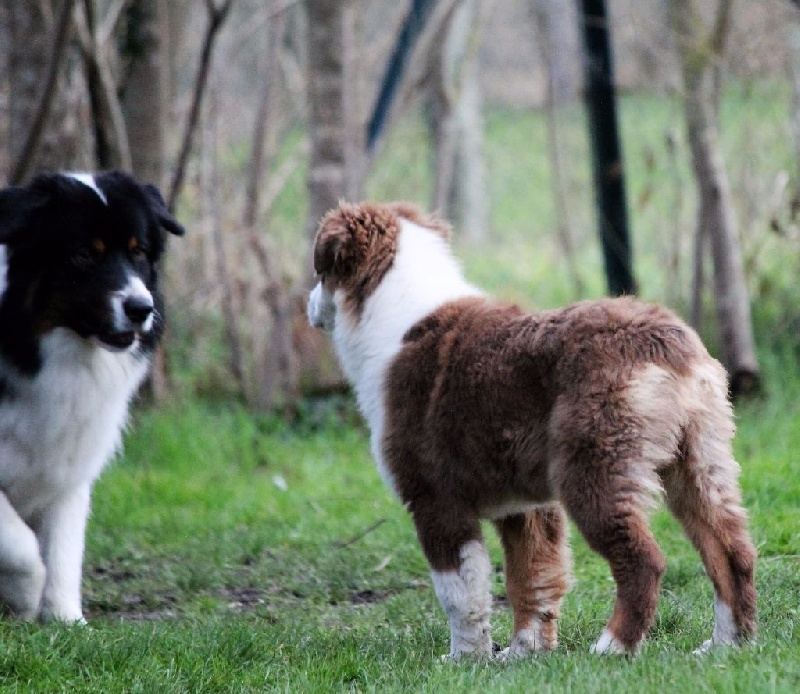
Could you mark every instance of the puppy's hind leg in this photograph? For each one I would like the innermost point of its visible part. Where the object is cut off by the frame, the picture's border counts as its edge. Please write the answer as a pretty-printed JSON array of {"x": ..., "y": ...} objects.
[
  {"x": 461, "y": 572},
  {"x": 616, "y": 527},
  {"x": 606, "y": 482},
  {"x": 703, "y": 493},
  {"x": 22, "y": 572},
  {"x": 537, "y": 569}
]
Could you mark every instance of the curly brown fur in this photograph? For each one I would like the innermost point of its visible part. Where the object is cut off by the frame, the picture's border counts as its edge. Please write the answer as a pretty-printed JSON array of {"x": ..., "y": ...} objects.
[{"x": 480, "y": 410}]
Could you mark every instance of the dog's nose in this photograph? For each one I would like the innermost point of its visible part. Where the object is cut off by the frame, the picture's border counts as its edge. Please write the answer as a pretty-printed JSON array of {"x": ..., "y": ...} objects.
[{"x": 138, "y": 308}]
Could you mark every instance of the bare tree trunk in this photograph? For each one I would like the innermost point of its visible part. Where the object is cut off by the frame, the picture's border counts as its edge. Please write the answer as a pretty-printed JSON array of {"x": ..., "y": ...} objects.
[
  {"x": 675, "y": 291},
  {"x": 112, "y": 149},
  {"x": 607, "y": 160},
  {"x": 549, "y": 22},
  {"x": 211, "y": 194},
  {"x": 701, "y": 55},
  {"x": 276, "y": 372},
  {"x": 793, "y": 31},
  {"x": 37, "y": 59},
  {"x": 327, "y": 179},
  {"x": 264, "y": 131},
  {"x": 5, "y": 44},
  {"x": 144, "y": 107},
  {"x": 457, "y": 123},
  {"x": 145, "y": 96},
  {"x": 699, "y": 271},
  {"x": 355, "y": 135}
]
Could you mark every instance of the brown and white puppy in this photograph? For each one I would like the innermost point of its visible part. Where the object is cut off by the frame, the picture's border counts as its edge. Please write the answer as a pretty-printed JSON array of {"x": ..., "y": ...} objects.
[{"x": 479, "y": 410}]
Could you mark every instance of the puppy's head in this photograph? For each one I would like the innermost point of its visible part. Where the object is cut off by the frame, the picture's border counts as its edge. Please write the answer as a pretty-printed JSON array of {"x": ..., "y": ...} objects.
[
  {"x": 354, "y": 248},
  {"x": 82, "y": 253}
]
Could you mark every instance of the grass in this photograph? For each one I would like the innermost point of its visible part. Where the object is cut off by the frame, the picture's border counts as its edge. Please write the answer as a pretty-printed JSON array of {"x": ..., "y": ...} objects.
[
  {"x": 232, "y": 552},
  {"x": 229, "y": 553}
]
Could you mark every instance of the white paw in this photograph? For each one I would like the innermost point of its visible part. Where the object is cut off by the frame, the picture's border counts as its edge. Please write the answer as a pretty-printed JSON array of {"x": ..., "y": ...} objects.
[
  {"x": 67, "y": 616},
  {"x": 714, "y": 642},
  {"x": 527, "y": 643},
  {"x": 510, "y": 654},
  {"x": 607, "y": 644},
  {"x": 22, "y": 590},
  {"x": 482, "y": 651},
  {"x": 464, "y": 655},
  {"x": 704, "y": 647}
]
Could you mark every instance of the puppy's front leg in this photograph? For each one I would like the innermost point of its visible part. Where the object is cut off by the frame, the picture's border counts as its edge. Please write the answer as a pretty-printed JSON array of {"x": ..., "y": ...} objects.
[
  {"x": 61, "y": 536},
  {"x": 22, "y": 573},
  {"x": 461, "y": 574}
]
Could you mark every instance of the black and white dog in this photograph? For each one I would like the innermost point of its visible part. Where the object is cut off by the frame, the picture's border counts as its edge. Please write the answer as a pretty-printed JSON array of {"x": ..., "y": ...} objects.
[{"x": 80, "y": 316}]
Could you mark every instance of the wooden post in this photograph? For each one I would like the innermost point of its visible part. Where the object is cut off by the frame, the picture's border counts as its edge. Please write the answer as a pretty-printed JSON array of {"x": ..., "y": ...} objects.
[{"x": 609, "y": 179}]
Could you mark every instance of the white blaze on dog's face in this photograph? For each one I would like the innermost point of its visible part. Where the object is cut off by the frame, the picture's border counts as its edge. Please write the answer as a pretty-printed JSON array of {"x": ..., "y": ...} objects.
[{"x": 132, "y": 306}]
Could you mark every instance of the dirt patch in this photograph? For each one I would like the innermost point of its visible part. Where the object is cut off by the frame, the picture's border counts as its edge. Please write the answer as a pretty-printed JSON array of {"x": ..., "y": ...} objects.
[
  {"x": 242, "y": 599},
  {"x": 369, "y": 596}
]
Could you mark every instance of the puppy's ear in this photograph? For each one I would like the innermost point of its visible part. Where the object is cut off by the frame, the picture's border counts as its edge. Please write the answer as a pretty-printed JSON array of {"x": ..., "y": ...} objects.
[
  {"x": 336, "y": 249},
  {"x": 333, "y": 254},
  {"x": 16, "y": 206},
  {"x": 159, "y": 207}
]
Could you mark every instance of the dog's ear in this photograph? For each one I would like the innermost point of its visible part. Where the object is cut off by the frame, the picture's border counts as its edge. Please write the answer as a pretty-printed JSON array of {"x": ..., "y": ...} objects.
[
  {"x": 333, "y": 254},
  {"x": 336, "y": 249},
  {"x": 17, "y": 203},
  {"x": 159, "y": 207}
]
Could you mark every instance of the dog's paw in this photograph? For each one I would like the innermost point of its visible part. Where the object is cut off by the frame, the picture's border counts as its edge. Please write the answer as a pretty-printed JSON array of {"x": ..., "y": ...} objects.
[
  {"x": 704, "y": 647},
  {"x": 510, "y": 654},
  {"x": 608, "y": 644},
  {"x": 526, "y": 644},
  {"x": 715, "y": 643},
  {"x": 479, "y": 655},
  {"x": 64, "y": 615}
]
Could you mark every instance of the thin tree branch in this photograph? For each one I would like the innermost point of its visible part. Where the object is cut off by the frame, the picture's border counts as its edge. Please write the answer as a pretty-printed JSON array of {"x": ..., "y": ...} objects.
[
  {"x": 264, "y": 121},
  {"x": 212, "y": 195},
  {"x": 340, "y": 544},
  {"x": 106, "y": 29},
  {"x": 25, "y": 159},
  {"x": 722, "y": 25},
  {"x": 279, "y": 179},
  {"x": 412, "y": 76},
  {"x": 104, "y": 99},
  {"x": 216, "y": 17}
]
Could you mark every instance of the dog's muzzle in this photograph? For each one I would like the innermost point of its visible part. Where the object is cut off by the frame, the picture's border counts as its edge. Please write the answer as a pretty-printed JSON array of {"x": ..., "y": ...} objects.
[
  {"x": 321, "y": 310},
  {"x": 133, "y": 313}
]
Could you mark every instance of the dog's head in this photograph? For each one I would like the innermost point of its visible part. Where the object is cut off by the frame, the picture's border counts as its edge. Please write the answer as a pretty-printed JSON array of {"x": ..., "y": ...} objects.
[
  {"x": 81, "y": 254},
  {"x": 354, "y": 248}
]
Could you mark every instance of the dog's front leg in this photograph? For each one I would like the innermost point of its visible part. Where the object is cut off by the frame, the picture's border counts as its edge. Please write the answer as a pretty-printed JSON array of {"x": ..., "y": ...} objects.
[
  {"x": 61, "y": 536},
  {"x": 461, "y": 574},
  {"x": 22, "y": 573}
]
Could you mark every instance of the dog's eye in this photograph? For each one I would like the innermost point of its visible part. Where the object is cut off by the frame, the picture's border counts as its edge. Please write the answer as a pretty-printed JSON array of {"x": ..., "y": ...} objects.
[
  {"x": 138, "y": 253},
  {"x": 83, "y": 258}
]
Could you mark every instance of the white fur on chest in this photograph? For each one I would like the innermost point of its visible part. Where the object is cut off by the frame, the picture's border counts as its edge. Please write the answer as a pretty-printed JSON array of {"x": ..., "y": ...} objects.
[
  {"x": 423, "y": 277},
  {"x": 58, "y": 429}
]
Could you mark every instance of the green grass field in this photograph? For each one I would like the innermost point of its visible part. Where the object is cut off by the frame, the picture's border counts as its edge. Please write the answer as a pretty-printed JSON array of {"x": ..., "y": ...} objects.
[{"x": 230, "y": 552}]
